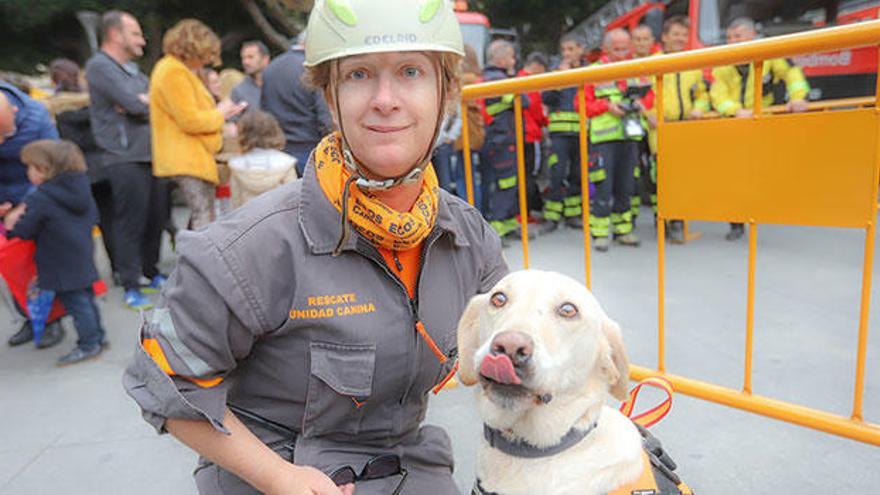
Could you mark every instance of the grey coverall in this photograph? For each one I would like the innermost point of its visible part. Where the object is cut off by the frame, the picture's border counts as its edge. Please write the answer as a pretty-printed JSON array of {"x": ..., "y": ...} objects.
[{"x": 325, "y": 346}]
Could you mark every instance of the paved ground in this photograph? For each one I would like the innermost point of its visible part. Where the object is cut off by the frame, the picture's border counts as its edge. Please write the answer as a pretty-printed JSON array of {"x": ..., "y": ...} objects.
[{"x": 74, "y": 431}]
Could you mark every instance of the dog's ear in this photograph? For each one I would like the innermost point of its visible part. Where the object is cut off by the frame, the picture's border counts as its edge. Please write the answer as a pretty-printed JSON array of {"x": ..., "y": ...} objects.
[
  {"x": 469, "y": 339},
  {"x": 615, "y": 363}
]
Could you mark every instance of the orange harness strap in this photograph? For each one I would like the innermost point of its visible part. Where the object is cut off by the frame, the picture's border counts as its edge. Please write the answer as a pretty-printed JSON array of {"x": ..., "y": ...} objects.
[{"x": 656, "y": 413}]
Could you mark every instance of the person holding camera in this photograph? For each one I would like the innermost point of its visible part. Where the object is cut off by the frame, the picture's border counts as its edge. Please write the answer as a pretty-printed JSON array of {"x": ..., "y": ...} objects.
[{"x": 615, "y": 109}]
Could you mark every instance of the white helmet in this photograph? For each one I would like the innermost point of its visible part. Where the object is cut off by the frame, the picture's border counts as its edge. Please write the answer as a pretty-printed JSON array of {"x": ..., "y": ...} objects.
[{"x": 339, "y": 28}]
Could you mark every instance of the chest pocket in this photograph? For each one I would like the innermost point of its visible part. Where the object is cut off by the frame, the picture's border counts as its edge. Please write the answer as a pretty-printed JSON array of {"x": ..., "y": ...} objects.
[{"x": 340, "y": 385}]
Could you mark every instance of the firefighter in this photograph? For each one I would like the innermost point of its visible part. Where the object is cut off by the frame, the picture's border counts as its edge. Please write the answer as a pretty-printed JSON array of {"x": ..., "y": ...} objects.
[
  {"x": 643, "y": 41},
  {"x": 644, "y": 45},
  {"x": 295, "y": 344},
  {"x": 535, "y": 122},
  {"x": 563, "y": 200},
  {"x": 685, "y": 97},
  {"x": 732, "y": 90},
  {"x": 615, "y": 127},
  {"x": 500, "y": 145}
]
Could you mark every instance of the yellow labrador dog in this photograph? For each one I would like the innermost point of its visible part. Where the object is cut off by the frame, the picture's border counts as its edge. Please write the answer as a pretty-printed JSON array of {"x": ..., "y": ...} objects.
[{"x": 545, "y": 355}]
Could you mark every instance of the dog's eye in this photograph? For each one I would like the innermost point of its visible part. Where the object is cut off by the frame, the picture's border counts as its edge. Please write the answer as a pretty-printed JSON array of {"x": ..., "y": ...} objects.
[
  {"x": 499, "y": 299},
  {"x": 568, "y": 310}
]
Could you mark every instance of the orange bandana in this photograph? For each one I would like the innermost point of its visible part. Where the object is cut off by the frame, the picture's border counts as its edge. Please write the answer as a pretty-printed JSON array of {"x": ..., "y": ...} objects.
[{"x": 381, "y": 225}]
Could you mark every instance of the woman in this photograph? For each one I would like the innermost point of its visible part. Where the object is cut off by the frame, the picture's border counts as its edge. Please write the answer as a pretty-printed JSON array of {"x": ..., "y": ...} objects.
[
  {"x": 299, "y": 337},
  {"x": 185, "y": 122}
]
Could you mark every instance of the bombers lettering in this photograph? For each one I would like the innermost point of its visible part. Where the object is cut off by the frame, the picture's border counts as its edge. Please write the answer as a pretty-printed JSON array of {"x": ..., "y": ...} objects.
[{"x": 389, "y": 39}]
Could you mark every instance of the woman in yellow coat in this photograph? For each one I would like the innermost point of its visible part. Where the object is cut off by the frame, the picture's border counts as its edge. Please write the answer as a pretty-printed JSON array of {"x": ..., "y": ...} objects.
[{"x": 185, "y": 122}]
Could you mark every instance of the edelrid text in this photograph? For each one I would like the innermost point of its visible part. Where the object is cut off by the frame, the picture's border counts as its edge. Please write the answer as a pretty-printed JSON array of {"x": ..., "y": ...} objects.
[{"x": 389, "y": 39}]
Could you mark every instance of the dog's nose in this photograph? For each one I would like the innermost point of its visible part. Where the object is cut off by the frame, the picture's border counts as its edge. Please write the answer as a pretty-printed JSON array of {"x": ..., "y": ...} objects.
[{"x": 517, "y": 345}]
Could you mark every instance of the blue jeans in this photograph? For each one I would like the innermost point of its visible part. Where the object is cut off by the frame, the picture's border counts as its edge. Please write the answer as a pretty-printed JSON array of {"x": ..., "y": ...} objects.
[
  {"x": 443, "y": 166},
  {"x": 80, "y": 304}
]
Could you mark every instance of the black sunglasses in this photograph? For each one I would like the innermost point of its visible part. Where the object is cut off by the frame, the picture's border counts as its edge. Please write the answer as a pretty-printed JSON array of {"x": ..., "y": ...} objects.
[{"x": 378, "y": 467}]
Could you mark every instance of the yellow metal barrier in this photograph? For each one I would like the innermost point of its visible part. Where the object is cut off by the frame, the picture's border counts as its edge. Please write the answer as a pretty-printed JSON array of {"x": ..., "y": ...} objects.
[{"x": 756, "y": 181}]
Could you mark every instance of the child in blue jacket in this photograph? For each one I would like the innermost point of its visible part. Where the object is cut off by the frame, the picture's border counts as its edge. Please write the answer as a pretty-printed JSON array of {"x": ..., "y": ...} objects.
[{"x": 58, "y": 216}]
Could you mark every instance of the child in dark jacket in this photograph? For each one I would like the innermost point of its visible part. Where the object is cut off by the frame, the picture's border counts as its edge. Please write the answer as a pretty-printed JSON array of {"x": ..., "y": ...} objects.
[{"x": 58, "y": 216}]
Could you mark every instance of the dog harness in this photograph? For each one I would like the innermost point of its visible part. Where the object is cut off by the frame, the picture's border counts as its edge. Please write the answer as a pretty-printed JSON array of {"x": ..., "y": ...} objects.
[
  {"x": 658, "y": 473},
  {"x": 657, "y": 478}
]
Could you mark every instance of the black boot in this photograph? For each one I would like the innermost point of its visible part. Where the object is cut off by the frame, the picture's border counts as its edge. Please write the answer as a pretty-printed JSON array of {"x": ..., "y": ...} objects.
[
  {"x": 736, "y": 232},
  {"x": 53, "y": 334},
  {"x": 24, "y": 335}
]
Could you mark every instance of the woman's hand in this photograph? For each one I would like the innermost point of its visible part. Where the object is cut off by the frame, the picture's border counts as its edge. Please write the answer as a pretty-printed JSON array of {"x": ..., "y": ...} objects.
[
  {"x": 230, "y": 109},
  {"x": 305, "y": 480}
]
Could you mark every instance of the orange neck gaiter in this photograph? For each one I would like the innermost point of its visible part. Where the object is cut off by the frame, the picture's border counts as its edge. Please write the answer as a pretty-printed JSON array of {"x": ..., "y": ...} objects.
[{"x": 384, "y": 227}]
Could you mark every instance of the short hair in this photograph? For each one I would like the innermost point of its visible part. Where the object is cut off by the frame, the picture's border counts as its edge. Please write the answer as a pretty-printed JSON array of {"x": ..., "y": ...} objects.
[
  {"x": 742, "y": 21},
  {"x": 572, "y": 38},
  {"x": 537, "y": 58},
  {"x": 263, "y": 49},
  {"x": 499, "y": 47},
  {"x": 65, "y": 73},
  {"x": 191, "y": 39},
  {"x": 259, "y": 129},
  {"x": 112, "y": 19},
  {"x": 676, "y": 20},
  {"x": 642, "y": 27},
  {"x": 606, "y": 40},
  {"x": 53, "y": 158}
]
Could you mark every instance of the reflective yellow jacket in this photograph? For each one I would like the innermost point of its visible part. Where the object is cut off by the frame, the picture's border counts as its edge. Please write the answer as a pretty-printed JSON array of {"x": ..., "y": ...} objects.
[
  {"x": 682, "y": 92},
  {"x": 731, "y": 93}
]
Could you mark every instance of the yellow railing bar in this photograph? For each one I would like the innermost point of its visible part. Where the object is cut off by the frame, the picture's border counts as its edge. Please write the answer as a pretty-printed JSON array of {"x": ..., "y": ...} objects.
[
  {"x": 585, "y": 184},
  {"x": 521, "y": 178},
  {"x": 820, "y": 40},
  {"x": 785, "y": 411},
  {"x": 661, "y": 239},
  {"x": 868, "y": 268},
  {"x": 466, "y": 154},
  {"x": 750, "y": 307}
]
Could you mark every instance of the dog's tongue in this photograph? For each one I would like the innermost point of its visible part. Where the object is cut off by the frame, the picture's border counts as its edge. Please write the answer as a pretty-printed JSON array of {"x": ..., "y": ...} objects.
[{"x": 499, "y": 368}]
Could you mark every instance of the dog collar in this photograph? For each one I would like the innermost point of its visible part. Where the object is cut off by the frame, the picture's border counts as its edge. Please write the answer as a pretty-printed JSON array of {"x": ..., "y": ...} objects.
[{"x": 521, "y": 448}]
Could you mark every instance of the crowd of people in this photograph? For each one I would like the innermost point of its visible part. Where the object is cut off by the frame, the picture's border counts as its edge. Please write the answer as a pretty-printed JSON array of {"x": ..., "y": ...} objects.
[
  {"x": 187, "y": 127},
  {"x": 622, "y": 165},
  {"x": 138, "y": 138}
]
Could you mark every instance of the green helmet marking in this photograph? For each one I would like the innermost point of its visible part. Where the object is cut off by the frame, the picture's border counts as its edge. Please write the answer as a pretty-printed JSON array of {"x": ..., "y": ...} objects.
[
  {"x": 429, "y": 10},
  {"x": 342, "y": 10}
]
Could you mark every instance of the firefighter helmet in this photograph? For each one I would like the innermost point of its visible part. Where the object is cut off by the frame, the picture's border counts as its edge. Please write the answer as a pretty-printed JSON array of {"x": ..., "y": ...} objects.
[{"x": 339, "y": 28}]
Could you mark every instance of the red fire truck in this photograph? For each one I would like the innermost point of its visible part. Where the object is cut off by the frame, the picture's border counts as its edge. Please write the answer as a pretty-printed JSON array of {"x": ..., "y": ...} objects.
[
  {"x": 478, "y": 32},
  {"x": 838, "y": 74}
]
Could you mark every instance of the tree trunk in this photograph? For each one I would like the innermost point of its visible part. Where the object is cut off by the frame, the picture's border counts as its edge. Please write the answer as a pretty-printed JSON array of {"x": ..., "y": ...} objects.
[{"x": 274, "y": 37}]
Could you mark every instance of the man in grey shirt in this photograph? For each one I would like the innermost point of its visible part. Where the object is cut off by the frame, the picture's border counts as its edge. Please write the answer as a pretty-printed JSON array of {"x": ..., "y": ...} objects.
[
  {"x": 119, "y": 112},
  {"x": 254, "y": 59},
  {"x": 301, "y": 111}
]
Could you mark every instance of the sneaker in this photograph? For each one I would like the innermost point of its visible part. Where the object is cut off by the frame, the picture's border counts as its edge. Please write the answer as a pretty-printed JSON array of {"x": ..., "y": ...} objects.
[
  {"x": 547, "y": 226},
  {"x": 574, "y": 223},
  {"x": 134, "y": 299},
  {"x": 79, "y": 354},
  {"x": 53, "y": 334},
  {"x": 676, "y": 232},
  {"x": 24, "y": 335},
  {"x": 155, "y": 285},
  {"x": 628, "y": 240},
  {"x": 601, "y": 244}
]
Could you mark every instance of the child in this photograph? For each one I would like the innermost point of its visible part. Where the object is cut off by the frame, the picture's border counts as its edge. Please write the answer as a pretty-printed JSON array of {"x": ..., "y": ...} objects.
[
  {"x": 262, "y": 166},
  {"x": 58, "y": 216}
]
